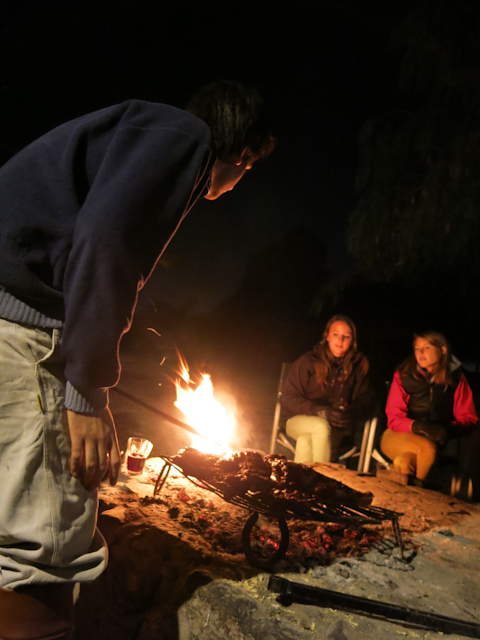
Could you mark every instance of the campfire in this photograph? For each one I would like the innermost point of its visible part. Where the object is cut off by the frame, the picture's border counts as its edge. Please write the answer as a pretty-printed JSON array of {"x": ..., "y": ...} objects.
[
  {"x": 204, "y": 413},
  {"x": 163, "y": 548},
  {"x": 269, "y": 485}
]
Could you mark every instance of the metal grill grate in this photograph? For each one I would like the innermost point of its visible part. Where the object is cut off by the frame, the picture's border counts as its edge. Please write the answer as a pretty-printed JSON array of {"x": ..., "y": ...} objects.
[{"x": 319, "y": 513}]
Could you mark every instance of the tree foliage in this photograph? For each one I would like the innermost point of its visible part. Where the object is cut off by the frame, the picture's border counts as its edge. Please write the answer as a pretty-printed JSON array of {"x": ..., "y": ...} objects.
[{"x": 418, "y": 180}]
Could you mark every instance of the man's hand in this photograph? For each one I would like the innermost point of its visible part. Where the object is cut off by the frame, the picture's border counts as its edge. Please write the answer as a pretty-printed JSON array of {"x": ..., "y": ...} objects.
[{"x": 94, "y": 448}]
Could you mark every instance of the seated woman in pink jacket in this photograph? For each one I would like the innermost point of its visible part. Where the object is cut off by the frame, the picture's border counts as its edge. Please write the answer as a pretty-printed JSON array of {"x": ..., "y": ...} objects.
[{"x": 430, "y": 402}]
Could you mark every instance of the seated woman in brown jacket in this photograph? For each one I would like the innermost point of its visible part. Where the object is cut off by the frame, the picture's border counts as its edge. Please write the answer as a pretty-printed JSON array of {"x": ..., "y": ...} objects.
[{"x": 326, "y": 391}]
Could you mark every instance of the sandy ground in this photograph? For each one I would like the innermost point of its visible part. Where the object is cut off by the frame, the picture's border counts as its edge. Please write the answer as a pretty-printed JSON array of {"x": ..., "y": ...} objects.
[
  {"x": 438, "y": 575},
  {"x": 441, "y": 535}
]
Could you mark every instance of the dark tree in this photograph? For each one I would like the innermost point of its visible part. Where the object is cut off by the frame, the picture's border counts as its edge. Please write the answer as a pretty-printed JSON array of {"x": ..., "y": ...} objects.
[{"x": 418, "y": 179}]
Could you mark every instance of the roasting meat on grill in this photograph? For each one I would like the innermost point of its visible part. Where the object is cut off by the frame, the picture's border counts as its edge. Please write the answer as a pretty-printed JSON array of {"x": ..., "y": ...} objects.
[{"x": 277, "y": 482}]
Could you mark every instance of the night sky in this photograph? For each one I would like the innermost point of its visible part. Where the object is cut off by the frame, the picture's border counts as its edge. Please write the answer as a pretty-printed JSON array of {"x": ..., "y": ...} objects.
[{"x": 323, "y": 68}]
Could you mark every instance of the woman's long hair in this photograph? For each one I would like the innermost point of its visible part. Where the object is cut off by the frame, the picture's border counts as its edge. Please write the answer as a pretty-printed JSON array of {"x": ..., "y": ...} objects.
[
  {"x": 442, "y": 373},
  {"x": 324, "y": 357}
]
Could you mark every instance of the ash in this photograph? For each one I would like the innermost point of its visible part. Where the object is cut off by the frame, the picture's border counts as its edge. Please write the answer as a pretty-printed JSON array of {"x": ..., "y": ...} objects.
[
  {"x": 205, "y": 519},
  {"x": 177, "y": 570}
]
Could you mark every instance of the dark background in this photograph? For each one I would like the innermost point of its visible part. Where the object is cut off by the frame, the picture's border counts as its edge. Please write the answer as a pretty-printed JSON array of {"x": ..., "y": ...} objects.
[
  {"x": 323, "y": 68},
  {"x": 250, "y": 280}
]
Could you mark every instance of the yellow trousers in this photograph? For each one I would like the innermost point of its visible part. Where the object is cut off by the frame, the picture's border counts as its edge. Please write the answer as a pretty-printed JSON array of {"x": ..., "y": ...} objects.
[{"x": 411, "y": 454}]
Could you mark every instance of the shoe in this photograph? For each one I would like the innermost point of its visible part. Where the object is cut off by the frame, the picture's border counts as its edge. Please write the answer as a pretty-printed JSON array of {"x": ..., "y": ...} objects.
[{"x": 40, "y": 612}]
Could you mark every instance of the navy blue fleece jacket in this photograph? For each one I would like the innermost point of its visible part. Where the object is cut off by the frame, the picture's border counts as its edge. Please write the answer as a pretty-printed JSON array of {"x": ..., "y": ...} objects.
[{"x": 86, "y": 211}]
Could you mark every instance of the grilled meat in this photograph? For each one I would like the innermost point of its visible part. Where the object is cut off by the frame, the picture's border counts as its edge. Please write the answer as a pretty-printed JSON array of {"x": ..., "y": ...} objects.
[{"x": 274, "y": 480}]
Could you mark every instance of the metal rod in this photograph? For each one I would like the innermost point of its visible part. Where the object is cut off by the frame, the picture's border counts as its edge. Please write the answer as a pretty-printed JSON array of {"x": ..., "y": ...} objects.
[
  {"x": 278, "y": 406},
  {"x": 363, "y": 448},
  {"x": 255, "y": 559},
  {"x": 157, "y": 412},
  {"x": 302, "y": 593},
  {"x": 398, "y": 533},
  {"x": 371, "y": 438},
  {"x": 162, "y": 478}
]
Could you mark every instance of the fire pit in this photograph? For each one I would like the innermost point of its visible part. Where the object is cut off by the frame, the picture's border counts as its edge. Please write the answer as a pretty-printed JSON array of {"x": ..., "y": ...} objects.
[
  {"x": 264, "y": 495},
  {"x": 269, "y": 485}
]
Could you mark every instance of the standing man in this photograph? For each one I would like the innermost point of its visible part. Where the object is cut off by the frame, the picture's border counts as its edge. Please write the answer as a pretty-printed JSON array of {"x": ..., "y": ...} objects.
[{"x": 86, "y": 211}]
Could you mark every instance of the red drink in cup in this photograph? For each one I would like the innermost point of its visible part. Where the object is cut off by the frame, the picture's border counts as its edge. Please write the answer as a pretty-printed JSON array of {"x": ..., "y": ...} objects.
[
  {"x": 138, "y": 450},
  {"x": 135, "y": 462}
]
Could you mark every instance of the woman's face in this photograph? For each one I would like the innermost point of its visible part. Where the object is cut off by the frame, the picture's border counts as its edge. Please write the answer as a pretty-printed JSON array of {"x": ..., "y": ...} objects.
[
  {"x": 339, "y": 338},
  {"x": 427, "y": 354}
]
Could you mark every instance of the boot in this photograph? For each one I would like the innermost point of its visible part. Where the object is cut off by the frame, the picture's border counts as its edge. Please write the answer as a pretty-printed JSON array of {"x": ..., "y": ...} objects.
[{"x": 38, "y": 612}]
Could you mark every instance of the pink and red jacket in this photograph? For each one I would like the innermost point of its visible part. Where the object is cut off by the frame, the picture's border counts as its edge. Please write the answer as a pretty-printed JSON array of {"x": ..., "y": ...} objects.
[{"x": 458, "y": 410}]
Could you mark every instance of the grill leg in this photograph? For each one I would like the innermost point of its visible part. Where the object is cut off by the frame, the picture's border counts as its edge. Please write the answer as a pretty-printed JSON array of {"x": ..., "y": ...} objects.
[
  {"x": 253, "y": 559},
  {"x": 162, "y": 477},
  {"x": 398, "y": 533}
]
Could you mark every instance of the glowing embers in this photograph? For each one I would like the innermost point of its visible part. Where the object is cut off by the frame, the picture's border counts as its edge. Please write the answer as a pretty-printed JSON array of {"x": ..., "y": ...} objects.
[{"x": 204, "y": 413}]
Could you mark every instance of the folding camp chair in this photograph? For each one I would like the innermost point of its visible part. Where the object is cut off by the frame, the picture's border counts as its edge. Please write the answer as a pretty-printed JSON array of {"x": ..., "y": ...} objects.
[
  {"x": 278, "y": 436},
  {"x": 365, "y": 454}
]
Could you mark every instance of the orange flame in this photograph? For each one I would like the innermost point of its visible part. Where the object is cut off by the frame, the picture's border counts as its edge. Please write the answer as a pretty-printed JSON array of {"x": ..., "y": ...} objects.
[{"x": 204, "y": 413}]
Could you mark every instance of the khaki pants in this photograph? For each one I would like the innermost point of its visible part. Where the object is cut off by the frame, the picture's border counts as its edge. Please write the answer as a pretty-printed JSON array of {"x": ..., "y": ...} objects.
[
  {"x": 47, "y": 519},
  {"x": 411, "y": 454}
]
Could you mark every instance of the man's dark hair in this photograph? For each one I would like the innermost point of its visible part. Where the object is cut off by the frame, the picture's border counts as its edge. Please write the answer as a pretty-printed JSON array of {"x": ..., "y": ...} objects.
[{"x": 237, "y": 117}]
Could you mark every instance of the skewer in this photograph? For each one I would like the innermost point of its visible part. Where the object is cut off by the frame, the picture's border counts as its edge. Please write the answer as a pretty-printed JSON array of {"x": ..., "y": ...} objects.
[{"x": 162, "y": 414}]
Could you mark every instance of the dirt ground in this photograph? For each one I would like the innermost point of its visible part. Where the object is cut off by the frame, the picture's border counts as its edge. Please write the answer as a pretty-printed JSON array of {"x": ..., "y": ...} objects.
[
  {"x": 158, "y": 550},
  {"x": 176, "y": 565}
]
